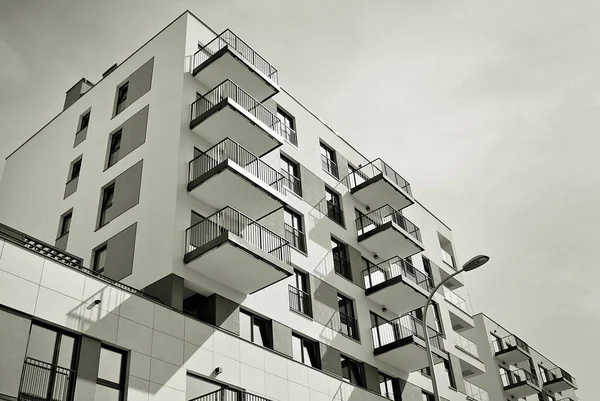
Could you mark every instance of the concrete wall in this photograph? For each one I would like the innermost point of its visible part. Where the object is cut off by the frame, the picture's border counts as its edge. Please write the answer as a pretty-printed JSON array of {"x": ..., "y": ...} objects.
[{"x": 14, "y": 332}]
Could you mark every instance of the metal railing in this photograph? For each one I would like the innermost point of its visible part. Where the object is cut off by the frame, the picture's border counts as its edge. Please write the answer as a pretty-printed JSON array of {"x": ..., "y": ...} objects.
[
  {"x": 467, "y": 345},
  {"x": 402, "y": 327},
  {"x": 557, "y": 373},
  {"x": 383, "y": 215},
  {"x": 230, "y": 220},
  {"x": 295, "y": 237},
  {"x": 457, "y": 301},
  {"x": 229, "y": 89},
  {"x": 226, "y": 394},
  {"x": 333, "y": 211},
  {"x": 375, "y": 168},
  {"x": 228, "y": 149},
  {"x": 509, "y": 341},
  {"x": 349, "y": 326},
  {"x": 43, "y": 381},
  {"x": 300, "y": 301},
  {"x": 510, "y": 377},
  {"x": 292, "y": 182},
  {"x": 288, "y": 133},
  {"x": 395, "y": 267},
  {"x": 566, "y": 399},
  {"x": 476, "y": 393},
  {"x": 232, "y": 41},
  {"x": 341, "y": 266},
  {"x": 448, "y": 259},
  {"x": 330, "y": 166}
]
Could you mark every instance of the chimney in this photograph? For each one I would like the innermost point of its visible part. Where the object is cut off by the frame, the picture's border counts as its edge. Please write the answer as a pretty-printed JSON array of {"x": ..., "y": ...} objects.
[{"x": 77, "y": 91}]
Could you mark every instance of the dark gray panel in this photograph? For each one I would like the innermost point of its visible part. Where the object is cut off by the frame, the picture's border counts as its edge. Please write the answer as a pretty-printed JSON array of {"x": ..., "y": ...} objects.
[
  {"x": 133, "y": 134},
  {"x": 14, "y": 333},
  {"x": 313, "y": 188},
  {"x": 219, "y": 311},
  {"x": 71, "y": 187},
  {"x": 282, "y": 338},
  {"x": 76, "y": 92},
  {"x": 330, "y": 359},
  {"x": 342, "y": 165},
  {"x": 87, "y": 369},
  {"x": 357, "y": 265},
  {"x": 371, "y": 377},
  {"x": 325, "y": 304},
  {"x": 119, "y": 254},
  {"x": 168, "y": 290},
  {"x": 127, "y": 191},
  {"x": 61, "y": 242},
  {"x": 274, "y": 222},
  {"x": 409, "y": 392},
  {"x": 80, "y": 136},
  {"x": 140, "y": 83},
  {"x": 458, "y": 377}
]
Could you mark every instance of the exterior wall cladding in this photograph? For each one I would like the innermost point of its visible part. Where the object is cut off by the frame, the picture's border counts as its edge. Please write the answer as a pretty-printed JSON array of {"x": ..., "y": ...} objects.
[{"x": 210, "y": 271}]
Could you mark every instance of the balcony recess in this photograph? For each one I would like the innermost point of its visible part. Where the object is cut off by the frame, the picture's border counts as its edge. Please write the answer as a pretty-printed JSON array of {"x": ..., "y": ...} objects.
[
  {"x": 461, "y": 315},
  {"x": 511, "y": 350},
  {"x": 229, "y": 111},
  {"x": 235, "y": 250},
  {"x": 520, "y": 383},
  {"x": 558, "y": 380},
  {"x": 227, "y": 56},
  {"x": 229, "y": 175},
  {"x": 376, "y": 184},
  {"x": 400, "y": 343},
  {"x": 397, "y": 285},
  {"x": 470, "y": 363},
  {"x": 387, "y": 233}
]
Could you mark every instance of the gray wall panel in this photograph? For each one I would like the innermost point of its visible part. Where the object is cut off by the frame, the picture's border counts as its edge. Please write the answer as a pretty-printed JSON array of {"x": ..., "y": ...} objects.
[
  {"x": 325, "y": 304},
  {"x": 87, "y": 369},
  {"x": 357, "y": 265},
  {"x": 282, "y": 338},
  {"x": 330, "y": 359},
  {"x": 371, "y": 377},
  {"x": 313, "y": 188},
  {"x": 140, "y": 82},
  {"x": 410, "y": 392},
  {"x": 120, "y": 251},
  {"x": 133, "y": 134},
  {"x": 127, "y": 191},
  {"x": 14, "y": 334}
]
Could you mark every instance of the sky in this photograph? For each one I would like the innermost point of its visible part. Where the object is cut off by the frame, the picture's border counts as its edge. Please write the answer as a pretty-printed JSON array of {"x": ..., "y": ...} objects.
[{"x": 490, "y": 109}]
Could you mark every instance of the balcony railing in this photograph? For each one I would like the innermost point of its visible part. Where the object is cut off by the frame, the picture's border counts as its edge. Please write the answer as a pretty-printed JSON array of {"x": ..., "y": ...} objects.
[
  {"x": 509, "y": 341},
  {"x": 448, "y": 259},
  {"x": 349, "y": 326},
  {"x": 403, "y": 327},
  {"x": 226, "y": 394},
  {"x": 520, "y": 375},
  {"x": 228, "y": 89},
  {"x": 288, "y": 133},
  {"x": 457, "y": 301},
  {"x": 334, "y": 212},
  {"x": 475, "y": 393},
  {"x": 300, "y": 301},
  {"x": 383, "y": 215},
  {"x": 395, "y": 267},
  {"x": 230, "y": 150},
  {"x": 42, "y": 381},
  {"x": 330, "y": 166},
  {"x": 467, "y": 345},
  {"x": 291, "y": 182},
  {"x": 295, "y": 237},
  {"x": 557, "y": 373},
  {"x": 230, "y": 220},
  {"x": 233, "y": 42},
  {"x": 375, "y": 168},
  {"x": 341, "y": 266}
]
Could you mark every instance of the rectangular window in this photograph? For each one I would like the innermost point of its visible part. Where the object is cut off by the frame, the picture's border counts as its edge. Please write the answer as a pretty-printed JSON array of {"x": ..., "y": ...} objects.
[
  {"x": 84, "y": 122},
  {"x": 427, "y": 268},
  {"x": 427, "y": 396},
  {"x": 255, "y": 329},
  {"x": 328, "y": 161},
  {"x": 115, "y": 146},
  {"x": 122, "y": 97},
  {"x": 75, "y": 170},
  {"x": 294, "y": 232},
  {"x": 107, "y": 200},
  {"x": 99, "y": 259},
  {"x": 352, "y": 371},
  {"x": 450, "y": 373},
  {"x": 341, "y": 263},
  {"x": 386, "y": 386},
  {"x": 291, "y": 175},
  {"x": 305, "y": 351},
  {"x": 348, "y": 322},
  {"x": 334, "y": 206},
  {"x": 110, "y": 384},
  {"x": 300, "y": 300},
  {"x": 65, "y": 224},
  {"x": 426, "y": 371},
  {"x": 288, "y": 126}
]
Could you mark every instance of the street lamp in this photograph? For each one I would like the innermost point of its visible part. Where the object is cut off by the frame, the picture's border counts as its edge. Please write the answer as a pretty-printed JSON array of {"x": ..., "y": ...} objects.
[{"x": 472, "y": 264}]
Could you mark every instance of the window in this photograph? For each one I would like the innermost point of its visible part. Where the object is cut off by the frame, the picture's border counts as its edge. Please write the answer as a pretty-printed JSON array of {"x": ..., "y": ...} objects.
[
  {"x": 122, "y": 97},
  {"x": 107, "y": 200},
  {"x": 426, "y": 371},
  {"x": 291, "y": 175},
  {"x": 544, "y": 374},
  {"x": 386, "y": 386},
  {"x": 328, "y": 162},
  {"x": 341, "y": 265},
  {"x": 75, "y": 170},
  {"x": 427, "y": 268},
  {"x": 450, "y": 373},
  {"x": 115, "y": 146},
  {"x": 65, "y": 224},
  {"x": 111, "y": 381},
  {"x": 437, "y": 325},
  {"x": 255, "y": 329},
  {"x": 84, "y": 122},
  {"x": 348, "y": 322},
  {"x": 99, "y": 259},
  {"x": 427, "y": 396},
  {"x": 288, "y": 126},
  {"x": 293, "y": 229},
  {"x": 352, "y": 371},
  {"x": 300, "y": 300},
  {"x": 305, "y": 351},
  {"x": 334, "y": 206}
]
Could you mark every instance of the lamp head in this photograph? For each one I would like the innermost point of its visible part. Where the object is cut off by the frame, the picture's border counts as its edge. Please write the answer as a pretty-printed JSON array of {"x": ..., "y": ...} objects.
[{"x": 475, "y": 262}]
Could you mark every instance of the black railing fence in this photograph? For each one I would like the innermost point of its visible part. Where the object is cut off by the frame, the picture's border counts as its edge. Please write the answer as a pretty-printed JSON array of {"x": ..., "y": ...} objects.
[
  {"x": 228, "y": 149},
  {"x": 375, "y": 168},
  {"x": 295, "y": 237},
  {"x": 383, "y": 215},
  {"x": 288, "y": 133},
  {"x": 230, "y": 220},
  {"x": 42, "y": 381},
  {"x": 402, "y": 327},
  {"x": 233, "y": 42},
  {"x": 291, "y": 182},
  {"x": 341, "y": 265},
  {"x": 349, "y": 326},
  {"x": 395, "y": 267},
  {"x": 228, "y": 89},
  {"x": 520, "y": 375},
  {"x": 226, "y": 394},
  {"x": 300, "y": 301},
  {"x": 509, "y": 341},
  {"x": 330, "y": 166},
  {"x": 559, "y": 373}
]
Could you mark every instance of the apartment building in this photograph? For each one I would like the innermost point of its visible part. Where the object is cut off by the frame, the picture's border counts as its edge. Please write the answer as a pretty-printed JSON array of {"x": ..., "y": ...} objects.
[{"x": 194, "y": 232}]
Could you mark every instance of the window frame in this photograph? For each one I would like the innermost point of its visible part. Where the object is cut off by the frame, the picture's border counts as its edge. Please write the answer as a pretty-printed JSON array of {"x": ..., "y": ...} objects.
[
  {"x": 387, "y": 379},
  {"x": 359, "y": 366},
  {"x": 343, "y": 258},
  {"x": 349, "y": 310},
  {"x": 268, "y": 341},
  {"x": 297, "y": 227},
  {"x": 292, "y": 165},
  {"x": 68, "y": 216},
  {"x": 450, "y": 373},
  {"x": 315, "y": 349},
  {"x": 85, "y": 117},
  {"x": 121, "y": 98},
  {"x": 329, "y": 159},
  {"x": 95, "y": 258},
  {"x": 122, "y": 374},
  {"x": 114, "y": 147},
  {"x": 106, "y": 203},
  {"x": 336, "y": 203},
  {"x": 75, "y": 169}
]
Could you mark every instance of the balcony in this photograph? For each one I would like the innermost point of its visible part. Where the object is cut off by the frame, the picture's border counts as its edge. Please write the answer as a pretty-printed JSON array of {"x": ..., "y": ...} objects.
[
  {"x": 400, "y": 343},
  {"x": 229, "y": 175},
  {"x": 461, "y": 315},
  {"x": 376, "y": 184},
  {"x": 227, "y": 394},
  {"x": 511, "y": 350},
  {"x": 475, "y": 393},
  {"x": 227, "y": 56},
  {"x": 42, "y": 381},
  {"x": 557, "y": 380},
  {"x": 229, "y": 111},
  {"x": 520, "y": 383},
  {"x": 387, "y": 233},
  {"x": 397, "y": 285},
  {"x": 300, "y": 301},
  {"x": 470, "y": 362},
  {"x": 235, "y": 250}
]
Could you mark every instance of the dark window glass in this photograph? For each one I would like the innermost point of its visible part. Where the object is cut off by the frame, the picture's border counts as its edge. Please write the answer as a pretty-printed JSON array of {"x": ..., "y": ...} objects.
[
  {"x": 427, "y": 268},
  {"x": 66, "y": 223},
  {"x": 334, "y": 207},
  {"x": 85, "y": 121},
  {"x": 450, "y": 373},
  {"x": 99, "y": 259},
  {"x": 75, "y": 170},
  {"x": 300, "y": 300},
  {"x": 286, "y": 119},
  {"x": 352, "y": 371},
  {"x": 291, "y": 175},
  {"x": 427, "y": 396},
  {"x": 255, "y": 329},
  {"x": 122, "y": 97},
  {"x": 386, "y": 386},
  {"x": 107, "y": 201},
  {"x": 348, "y": 322},
  {"x": 110, "y": 384},
  {"x": 305, "y": 351},
  {"x": 328, "y": 161},
  {"x": 115, "y": 146},
  {"x": 341, "y": 263},
  {"x": 293, "y": 229}
]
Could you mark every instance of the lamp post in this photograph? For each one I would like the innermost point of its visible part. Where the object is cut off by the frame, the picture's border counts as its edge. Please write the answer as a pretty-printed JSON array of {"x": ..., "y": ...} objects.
[{"x": 472, "y": 264}]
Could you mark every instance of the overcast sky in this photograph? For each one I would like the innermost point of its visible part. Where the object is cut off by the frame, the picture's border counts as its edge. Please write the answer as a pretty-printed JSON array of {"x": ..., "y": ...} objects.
[{"x": 489, "y": 108}]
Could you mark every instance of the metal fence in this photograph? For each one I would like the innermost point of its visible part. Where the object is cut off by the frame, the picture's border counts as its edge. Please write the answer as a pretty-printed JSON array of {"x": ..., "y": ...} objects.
[
  {"x": 43, "y": 381},
  {"x": 291, "y": 182},
  {"x": 375, "y": 168},
  {"x": 300, "y": 301},
  {"x": 330, "y": 166},
  {"x": 349, "y": 326},
  {"x": 457, "y": 301},
  {"x": 395, "y": 267},
  {"x": 295, "y": 237},
  {"x": 383, "y": 215},
  {"x": 510, "y": 377},
  {"x": 557, "y": 373},
  {"x": 402, "y": 327},
  {"x": 509, "y": 342},
  {"x": 226, "y": 394},
  {"x": 476, "y": 393}
]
